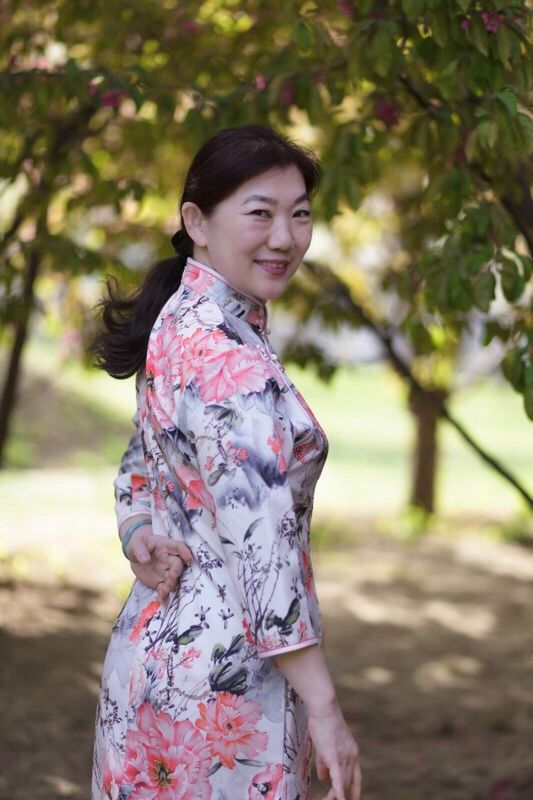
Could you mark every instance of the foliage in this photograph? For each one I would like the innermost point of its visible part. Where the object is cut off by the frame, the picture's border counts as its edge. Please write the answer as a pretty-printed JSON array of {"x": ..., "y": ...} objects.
[{"x": 424, "y": 99}]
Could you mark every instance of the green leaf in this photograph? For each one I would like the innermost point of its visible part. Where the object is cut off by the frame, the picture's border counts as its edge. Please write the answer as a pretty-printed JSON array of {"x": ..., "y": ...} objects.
[
  {"x": 513, "y": 282},
  {"x": 513, "y": 368},
  {"x": 382, "y": 48},
  {"x": 505, "y": 46},
  {"x": 508, "y": 98},
  {"x": 439, "y": 27},
  {"x": 412, "y": 8},
  {"x": 464, "y": 5},
  {"x": 528, "y": 402},
  {"x": 303, "y": 35},
  {"x": 478, "y": 35},
  {"x": 483, "y": 289}
]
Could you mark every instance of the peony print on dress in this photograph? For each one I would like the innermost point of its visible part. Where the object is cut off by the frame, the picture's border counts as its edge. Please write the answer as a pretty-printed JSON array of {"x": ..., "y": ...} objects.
[{"x": 226, "y": 455}]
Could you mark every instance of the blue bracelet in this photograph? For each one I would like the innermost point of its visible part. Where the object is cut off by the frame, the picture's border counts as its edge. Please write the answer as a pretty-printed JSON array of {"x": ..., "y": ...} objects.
[{"x": 130, "y": 531}]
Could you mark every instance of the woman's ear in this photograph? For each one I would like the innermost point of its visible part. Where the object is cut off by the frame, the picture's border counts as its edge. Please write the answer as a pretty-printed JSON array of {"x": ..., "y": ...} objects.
[{"x": 194, "y": 222}]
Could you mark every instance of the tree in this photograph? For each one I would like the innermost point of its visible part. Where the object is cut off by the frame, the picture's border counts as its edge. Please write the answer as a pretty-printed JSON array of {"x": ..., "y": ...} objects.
[{"x": 115, "y": 99}]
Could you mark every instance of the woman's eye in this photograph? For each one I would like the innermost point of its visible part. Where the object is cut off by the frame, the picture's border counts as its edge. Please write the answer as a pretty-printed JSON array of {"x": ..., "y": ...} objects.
[
  {"x": 261, "y": 212},
  {"x": 303, "y": 212}
]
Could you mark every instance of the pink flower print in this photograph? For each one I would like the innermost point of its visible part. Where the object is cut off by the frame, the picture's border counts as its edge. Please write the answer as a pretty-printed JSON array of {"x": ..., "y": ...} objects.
[
  {"x": 307, "y": 573},
  {"x": 265, "y": 783},
  {"x": 138, "y": 485},
  {"x": 196, "y": 493},
  {"x": 303, "y": 633},
  {"x": 166, "y": 760},
  {"x": 158, "y": 499},
  {"x": 145, "y": 616},
  {"x": 189, "y": 657},
  {"x": 248, "y": 632},
  {"x": 275, "y": 444},
  {"x": 236, "y": 370},
  {"x": 162, "y": 368},
  {"x": 236, "y": 455},
  {"x": 198, "y": 279},
  {"x": 302, "y": 450},
  {"x": 230, "y": 723},
  {"x": 254, "y": 316},
  {"x": 112, "y": 777},
  {"x": 199, "y": 347}
]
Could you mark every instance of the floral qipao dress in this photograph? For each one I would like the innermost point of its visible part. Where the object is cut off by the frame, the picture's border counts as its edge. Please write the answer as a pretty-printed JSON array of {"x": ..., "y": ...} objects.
[{"x": 226, "y": 457}]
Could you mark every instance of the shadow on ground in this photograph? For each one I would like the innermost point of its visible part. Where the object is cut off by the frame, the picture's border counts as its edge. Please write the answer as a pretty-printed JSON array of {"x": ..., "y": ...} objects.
[{"x": 430, "y": 646}]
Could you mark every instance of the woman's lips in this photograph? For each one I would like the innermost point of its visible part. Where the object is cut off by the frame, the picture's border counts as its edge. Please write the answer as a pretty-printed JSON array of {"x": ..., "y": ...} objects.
[{"x": 275, "y": 268}]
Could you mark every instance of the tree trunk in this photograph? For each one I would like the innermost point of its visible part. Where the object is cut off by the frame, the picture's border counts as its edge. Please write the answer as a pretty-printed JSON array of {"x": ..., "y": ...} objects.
[
  {"x": 7, "y": 401},
  {"x": 426, "y": 413}
]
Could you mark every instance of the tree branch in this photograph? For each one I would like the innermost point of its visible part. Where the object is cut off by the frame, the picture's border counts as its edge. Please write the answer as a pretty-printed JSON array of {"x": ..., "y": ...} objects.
[{"x": 383, "y": 333}]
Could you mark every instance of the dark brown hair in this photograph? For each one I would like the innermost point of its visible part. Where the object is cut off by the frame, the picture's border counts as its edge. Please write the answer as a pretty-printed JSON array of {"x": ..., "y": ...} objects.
[{"x": 223, "y": 163}]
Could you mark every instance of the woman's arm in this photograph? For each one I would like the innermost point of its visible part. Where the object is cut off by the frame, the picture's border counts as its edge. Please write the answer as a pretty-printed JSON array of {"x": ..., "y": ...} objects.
[{"x": 337, "y": 754}]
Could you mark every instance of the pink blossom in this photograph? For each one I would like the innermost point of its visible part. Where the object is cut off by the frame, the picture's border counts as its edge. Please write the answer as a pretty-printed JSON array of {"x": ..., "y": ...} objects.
[
  {"x": 465, "y": 24},
  {"x": 260, "y": 82},
  {"x": 492, "y": 21},
  {"x": 230, "y": 723},
  {"x": 265, "y": 784},
  {"x": 166, "y": 759}
]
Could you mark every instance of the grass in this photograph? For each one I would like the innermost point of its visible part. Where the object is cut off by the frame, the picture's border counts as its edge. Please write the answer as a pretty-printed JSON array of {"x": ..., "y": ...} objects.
[{"x": 77, "y": 423}]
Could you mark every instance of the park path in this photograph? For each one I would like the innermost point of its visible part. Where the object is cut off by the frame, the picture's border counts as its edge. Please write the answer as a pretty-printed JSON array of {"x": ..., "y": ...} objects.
[{"x": 430, "y": 644}]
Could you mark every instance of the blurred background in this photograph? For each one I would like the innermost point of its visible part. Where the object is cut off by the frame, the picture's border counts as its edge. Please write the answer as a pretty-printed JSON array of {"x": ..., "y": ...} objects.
[{"x": 408, "y": 329}]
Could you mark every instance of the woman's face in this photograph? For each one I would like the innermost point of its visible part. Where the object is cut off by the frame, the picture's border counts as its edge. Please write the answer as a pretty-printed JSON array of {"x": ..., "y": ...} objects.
[{"x": 257, "y": 237}]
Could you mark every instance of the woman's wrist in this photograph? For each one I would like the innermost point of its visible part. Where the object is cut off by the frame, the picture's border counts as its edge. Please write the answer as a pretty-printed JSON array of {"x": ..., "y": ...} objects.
[{"x": 130, "y": 530}]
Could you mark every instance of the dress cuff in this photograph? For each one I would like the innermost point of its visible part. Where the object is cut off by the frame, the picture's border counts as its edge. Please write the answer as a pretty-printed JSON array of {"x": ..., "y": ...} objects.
[{"x": 288, "y": 648}]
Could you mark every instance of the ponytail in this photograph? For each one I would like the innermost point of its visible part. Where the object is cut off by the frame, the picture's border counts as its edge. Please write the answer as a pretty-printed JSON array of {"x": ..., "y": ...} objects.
[{"x": 120, "y": 348}]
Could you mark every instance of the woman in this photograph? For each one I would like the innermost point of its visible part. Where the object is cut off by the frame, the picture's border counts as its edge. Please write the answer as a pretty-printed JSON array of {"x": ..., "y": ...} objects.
[{"x": 219, "y": 691}]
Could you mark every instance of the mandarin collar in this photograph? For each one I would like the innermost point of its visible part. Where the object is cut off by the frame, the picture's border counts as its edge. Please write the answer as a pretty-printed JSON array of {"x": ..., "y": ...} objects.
[{"x": 207, "y": 281}]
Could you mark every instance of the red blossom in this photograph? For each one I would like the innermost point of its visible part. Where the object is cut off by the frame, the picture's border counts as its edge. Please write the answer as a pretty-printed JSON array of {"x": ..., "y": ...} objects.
[
  {"x": 319, "y": 76},
  {"x": 387, "y": 111},
  {"x": 287, "y": 94},
  {"x": 112, "y": 98},
  {"x": 346, "y": 7},
  {"x": 191, "y": 26},
  {"x": 377, "y": 15}
]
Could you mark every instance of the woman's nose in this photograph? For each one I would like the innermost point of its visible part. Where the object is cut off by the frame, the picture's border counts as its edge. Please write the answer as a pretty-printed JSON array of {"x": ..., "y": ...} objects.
[{"x": 280, "y": 237}]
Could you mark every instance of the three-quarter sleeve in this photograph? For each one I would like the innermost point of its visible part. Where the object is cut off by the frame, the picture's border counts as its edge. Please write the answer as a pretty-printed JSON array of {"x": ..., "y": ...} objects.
[
  {"x": 132, "y": 493},
  {"x": 234, "y": 484}
]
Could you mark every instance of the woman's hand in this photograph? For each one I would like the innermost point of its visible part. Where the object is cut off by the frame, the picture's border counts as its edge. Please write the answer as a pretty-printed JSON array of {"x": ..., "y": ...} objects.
[
  {"x": 337, "y": 753},
  {"x": 157, "y": 561}
]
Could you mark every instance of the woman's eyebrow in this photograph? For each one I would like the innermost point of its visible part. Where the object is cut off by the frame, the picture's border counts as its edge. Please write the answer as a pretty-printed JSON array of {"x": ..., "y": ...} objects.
[{"x": 261, "y": 198}]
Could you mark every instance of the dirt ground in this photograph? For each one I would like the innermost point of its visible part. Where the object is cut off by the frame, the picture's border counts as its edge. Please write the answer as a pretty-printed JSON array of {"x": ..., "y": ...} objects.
[{"x": 430, "y": 645}]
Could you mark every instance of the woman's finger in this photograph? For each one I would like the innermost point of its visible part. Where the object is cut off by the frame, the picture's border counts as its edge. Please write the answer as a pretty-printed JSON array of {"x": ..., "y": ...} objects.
[
  {"x": 337, "y": 782},
  {"x": 356, "y": 786}
]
